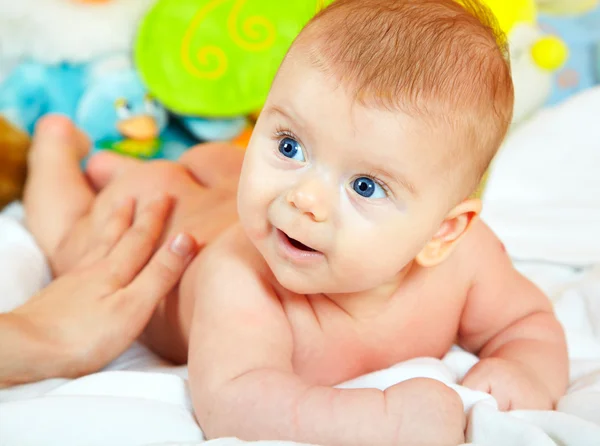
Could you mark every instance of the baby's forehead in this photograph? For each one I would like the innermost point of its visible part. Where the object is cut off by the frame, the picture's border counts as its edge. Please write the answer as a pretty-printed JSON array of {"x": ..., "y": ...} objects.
[{"x": 361, "y": 138}]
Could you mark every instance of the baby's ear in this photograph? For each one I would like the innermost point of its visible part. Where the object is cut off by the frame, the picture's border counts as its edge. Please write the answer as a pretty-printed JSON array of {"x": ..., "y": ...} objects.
[{"x": 454, "y": 226}]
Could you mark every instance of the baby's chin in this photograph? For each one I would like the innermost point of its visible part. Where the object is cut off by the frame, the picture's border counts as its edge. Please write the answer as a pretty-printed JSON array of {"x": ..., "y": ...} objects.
[
  {"x": 298, "y": 283},
  {"x": 309, "y": 282}
]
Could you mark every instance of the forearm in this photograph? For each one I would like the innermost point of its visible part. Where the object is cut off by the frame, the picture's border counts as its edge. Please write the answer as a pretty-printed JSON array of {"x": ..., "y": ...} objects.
[
  {"x": 23, "y": 356},
  {"x": 538, "y": 343},
  {"x": 273, "y": 405}
]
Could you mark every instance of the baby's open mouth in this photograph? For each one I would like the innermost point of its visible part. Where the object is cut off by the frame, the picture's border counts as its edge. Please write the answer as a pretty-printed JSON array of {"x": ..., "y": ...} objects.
[{"x": 298, "y": 245}]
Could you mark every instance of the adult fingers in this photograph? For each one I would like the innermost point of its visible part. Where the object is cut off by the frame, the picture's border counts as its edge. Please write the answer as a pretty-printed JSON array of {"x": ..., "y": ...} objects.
[
  {"x": 138, "y": 243},
  {"x": 119, "y": 220},
  {"x": 164, "y": 269},
  {"x": 104, "y": 166}
]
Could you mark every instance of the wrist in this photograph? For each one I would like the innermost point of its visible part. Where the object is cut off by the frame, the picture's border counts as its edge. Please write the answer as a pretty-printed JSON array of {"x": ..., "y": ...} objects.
[{"x": 25, "y": 356}]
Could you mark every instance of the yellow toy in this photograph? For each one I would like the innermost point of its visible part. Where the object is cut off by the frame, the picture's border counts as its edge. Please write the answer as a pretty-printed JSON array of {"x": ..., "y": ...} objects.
[
  {"x": 548, "y": 52},
  {"x": 577, "y": 22},
  {"x": 566, "y": 7},
  {"x": 534, "y": 56}
]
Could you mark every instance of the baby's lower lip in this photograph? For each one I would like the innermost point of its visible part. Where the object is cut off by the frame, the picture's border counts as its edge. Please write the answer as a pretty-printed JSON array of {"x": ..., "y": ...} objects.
[{"x": 286, "y": 245}]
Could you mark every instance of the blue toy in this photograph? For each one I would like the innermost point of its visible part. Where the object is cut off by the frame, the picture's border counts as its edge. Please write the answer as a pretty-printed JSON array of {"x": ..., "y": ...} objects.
[
  {"x": 598, "y": 63},
  {"x": 581, "y": 33},
  {"x": 109, "y": 103}
]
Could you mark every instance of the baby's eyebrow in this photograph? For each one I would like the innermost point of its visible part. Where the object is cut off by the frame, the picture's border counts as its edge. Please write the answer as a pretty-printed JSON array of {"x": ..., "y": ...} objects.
[
  {"x": 285, "y": 112},
  {"x": 394, "y": 177}
]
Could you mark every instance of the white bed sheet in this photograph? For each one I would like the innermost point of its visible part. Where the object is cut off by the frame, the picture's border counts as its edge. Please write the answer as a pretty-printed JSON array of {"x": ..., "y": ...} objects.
[{"x": 141, "y": 400}]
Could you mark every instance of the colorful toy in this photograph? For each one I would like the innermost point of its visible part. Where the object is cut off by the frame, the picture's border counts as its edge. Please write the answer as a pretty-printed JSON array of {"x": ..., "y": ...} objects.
[
  {"x": 71, "y": 31},
  {"x": 53, "y": 32},
  {"x": 105, "y": 99},
  {"x": 533, "y": 58},
  {"x": 205, "y": 129},
  {"x": 597, "y": 68},
  {"x": 577, "y": 22},
  {"x": 534, "y": 55},
  {"x": 566, "y": 7},
  {"x": 14, "y": 145},
  {"x": 217, "y": 58}
]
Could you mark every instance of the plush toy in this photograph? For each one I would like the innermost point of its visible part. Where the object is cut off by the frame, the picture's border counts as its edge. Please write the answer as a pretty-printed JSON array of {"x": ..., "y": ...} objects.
[
  {"x": 534, "y": 55},
  {"x": 566, "y": 7},
  {"x": 52, "y": 32},
  {"x": 577, "y": 22},
  {"x": 14, "y": 145},
  {"x": 105, "y": 99},
  {"x": 597, "y": 68},
  {"x": 72, "y": 31},
  {"x": 217, "y": 58}
]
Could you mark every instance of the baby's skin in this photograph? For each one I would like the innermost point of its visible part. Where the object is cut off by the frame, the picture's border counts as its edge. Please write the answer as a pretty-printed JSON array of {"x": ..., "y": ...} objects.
[
  {"x": 262, "y": 357},
  {"x": 336, "y": 253}
]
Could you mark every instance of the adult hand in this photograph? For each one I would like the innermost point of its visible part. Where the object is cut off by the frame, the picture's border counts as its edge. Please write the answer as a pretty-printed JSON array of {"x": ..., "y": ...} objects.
[{"x": 86, "y": 318}]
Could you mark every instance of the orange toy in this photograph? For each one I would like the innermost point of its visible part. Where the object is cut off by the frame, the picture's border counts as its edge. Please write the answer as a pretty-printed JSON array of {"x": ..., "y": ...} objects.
[{"x": 14, "y": 145}]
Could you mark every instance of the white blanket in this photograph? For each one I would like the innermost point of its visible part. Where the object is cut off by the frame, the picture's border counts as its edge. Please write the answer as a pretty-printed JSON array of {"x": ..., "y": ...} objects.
[{"x": 141, "y": 400}]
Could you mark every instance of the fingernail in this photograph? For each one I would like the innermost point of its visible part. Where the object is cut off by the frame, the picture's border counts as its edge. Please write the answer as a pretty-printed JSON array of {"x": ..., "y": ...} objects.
[{"x": 182, "y": 245}]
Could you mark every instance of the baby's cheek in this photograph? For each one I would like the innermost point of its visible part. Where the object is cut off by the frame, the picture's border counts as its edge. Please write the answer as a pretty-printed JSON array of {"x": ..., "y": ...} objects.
[
  {"x": 363, "y": 258},
  {"x": 253, "y": 207}
]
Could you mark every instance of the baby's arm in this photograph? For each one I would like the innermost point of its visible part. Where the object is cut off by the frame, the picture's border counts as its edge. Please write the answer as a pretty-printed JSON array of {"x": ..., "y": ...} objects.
[
  {"x": 510, "y": 324},
  {"x": 243, "y": 382}
]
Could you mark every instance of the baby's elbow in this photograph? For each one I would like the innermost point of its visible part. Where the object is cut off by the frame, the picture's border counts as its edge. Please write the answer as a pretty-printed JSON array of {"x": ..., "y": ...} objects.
[
  {"x": 225, "y": 412},
  {"x": 211, "y": 415}
]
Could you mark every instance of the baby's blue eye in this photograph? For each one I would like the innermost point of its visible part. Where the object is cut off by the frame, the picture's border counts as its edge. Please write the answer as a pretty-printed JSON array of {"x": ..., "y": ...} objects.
[
  {"x": 290, "y": 148},
  {"x": 368, "y": 188}
]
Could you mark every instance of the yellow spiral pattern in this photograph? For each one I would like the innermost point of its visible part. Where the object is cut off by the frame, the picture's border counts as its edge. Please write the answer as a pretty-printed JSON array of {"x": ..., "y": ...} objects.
[
  {"x": 252, "y": 34},
  {"x": 198, "y": 63},
  {"x": 259, "y": 29}
]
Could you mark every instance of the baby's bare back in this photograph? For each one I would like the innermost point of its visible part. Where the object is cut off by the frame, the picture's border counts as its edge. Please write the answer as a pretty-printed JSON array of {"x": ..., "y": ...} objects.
[
  {"x": 202, "y": 211},
  {"x": 203, "y": 207}
]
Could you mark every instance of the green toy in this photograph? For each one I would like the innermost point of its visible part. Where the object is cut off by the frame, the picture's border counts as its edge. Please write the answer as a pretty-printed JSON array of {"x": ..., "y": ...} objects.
[{"x": 217, "y": 58}]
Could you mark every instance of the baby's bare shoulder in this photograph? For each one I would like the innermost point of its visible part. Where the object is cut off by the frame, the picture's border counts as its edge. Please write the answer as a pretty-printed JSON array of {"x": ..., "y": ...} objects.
[
  {"x": 231, "y": 261},
  {"x": 499, "y": 294},
  {"x": 234, "y": 246},
  {"x": 480, "y": 248}
]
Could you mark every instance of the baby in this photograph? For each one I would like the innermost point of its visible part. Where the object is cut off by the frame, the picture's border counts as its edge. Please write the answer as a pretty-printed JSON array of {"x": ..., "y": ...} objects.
[{"x": 349, "y": 243}]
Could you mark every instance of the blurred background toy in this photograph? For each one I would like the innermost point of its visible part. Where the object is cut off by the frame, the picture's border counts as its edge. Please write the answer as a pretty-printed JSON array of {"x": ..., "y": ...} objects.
[
  {"x": 72, "y": 31},
  {"x": 216, "y": 59},
  {"x": 105, "y": 99},
  {"x": 209, "y": 63},
  {"x": 55, "y": 32},
  {"x": 577, "y": 22},
  {"x": 14, "y": 146},
  {"x": 534, "y": 54}
]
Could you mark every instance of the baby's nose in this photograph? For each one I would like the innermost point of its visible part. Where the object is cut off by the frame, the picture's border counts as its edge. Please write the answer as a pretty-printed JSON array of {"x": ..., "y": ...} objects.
[{"x": 309, "y": 199}]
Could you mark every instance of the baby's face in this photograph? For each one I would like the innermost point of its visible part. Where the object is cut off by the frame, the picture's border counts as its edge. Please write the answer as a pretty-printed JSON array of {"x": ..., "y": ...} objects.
[{"x": 337, "y": 197}]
